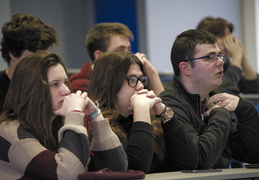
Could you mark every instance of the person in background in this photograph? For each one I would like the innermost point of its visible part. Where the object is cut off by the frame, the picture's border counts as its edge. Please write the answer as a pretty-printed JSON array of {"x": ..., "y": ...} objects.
[
  {"x": 111, "y": 37},
  {"x": 22, "y": 35},
  {"x": 239, "y": 75},
  {"x": 118, "y": 83},
  {"x": 42, "y": 126},
  {"x": 212, "y": 138}
]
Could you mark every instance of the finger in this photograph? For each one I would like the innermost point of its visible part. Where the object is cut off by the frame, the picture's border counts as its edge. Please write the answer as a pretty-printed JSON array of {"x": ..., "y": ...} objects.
[
  {"x": 84, "y": 95},
  {"x": 151, "y": 94},
  {"x": 132, "y": 97},
  {"x": 157, "y": 100},
  {"x": 142, "y": 91},
  {"x": 78, "y": 92}
]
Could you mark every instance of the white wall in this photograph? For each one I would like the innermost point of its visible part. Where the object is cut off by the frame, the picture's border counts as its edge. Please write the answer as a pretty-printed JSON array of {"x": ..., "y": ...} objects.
[
  {"x": 4, "y": 12},
  {"x": 161, "y": 22},
  {"x": 167, "y": 18}
]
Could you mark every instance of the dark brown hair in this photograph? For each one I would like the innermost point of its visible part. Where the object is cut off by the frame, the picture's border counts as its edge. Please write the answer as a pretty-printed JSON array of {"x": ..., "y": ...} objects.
[
  {"x": 99, "y": 37},
  {"x": 23, "y": 32},
  {"x": 185, "y": 44},
  {"x": 106, "y": 81},
  {"x": 216, "y": 26}
]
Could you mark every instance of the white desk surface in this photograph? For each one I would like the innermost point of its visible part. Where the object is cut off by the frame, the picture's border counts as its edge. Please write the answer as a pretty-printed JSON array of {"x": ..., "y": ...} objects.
[{"x": 234, "y": 173}]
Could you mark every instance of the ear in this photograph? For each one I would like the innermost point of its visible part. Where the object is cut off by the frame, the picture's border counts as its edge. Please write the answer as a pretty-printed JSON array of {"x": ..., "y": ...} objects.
[
  {"x": 12, "y": 57},
  {"x": 185, "y": 68},
  {"x": 97, "y": 53}
]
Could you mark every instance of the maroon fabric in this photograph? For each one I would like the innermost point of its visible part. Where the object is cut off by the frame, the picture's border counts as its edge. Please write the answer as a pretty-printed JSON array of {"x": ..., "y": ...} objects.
[
  {"x": 81, "y": 80},
  {"x": 107, "y": 174},
  {"x": 42, "y": 165}
]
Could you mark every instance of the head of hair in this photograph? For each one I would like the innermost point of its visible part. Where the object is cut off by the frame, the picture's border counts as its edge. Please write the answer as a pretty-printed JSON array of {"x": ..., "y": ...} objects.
[
  {"x": 25, "y": 32},
  {"x": 184, "y": 46},
  {"x": 107, "y": 78},
  {"x": 216, "y": 26},
  {"x": 99, "y": 37},
  {"x": 28, "y": 99}
]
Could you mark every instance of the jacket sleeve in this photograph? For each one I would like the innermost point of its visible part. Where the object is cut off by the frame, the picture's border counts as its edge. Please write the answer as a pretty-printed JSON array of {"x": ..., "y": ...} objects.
[
  {"x": 249, "y": 86},
  {"x": 244, "y": 138},
  {"x": 188, "y": 147},
  {"x": 140, "y": 147},
  {"x": 107, "y": 151}
]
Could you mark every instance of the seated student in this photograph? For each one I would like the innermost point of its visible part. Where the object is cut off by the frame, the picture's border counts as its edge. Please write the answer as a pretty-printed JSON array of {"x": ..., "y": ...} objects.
[
  {"x": 22, "y": 35},
  {"x": 239, "y": 75},
  {"x": 118, "y": 83},
  {"x": 42, "y": 128},
  {"x": 111, "y": 37},
  {"x": 211, "y": 136}
]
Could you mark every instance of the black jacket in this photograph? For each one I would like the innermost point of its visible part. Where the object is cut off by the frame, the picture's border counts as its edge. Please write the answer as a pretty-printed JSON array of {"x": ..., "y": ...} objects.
[{"x": 210, "y": 142}]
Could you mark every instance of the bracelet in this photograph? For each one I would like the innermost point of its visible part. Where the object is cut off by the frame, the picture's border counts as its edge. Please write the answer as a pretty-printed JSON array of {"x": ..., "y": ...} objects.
[
  {"x": 96, "y": 113},
  {"x": 78, "y": 111},
  {"x": 162, "y": 113},
  {"x": 86, "y": 118}
]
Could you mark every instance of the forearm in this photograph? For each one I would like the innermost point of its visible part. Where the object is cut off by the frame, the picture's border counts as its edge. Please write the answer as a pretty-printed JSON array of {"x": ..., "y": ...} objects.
[
  {"x": 140, "y": 146},
  {"x": 155, "y": 83},
  {"x": 245, "y": 144},
  {"x": 249, "y": 72}
]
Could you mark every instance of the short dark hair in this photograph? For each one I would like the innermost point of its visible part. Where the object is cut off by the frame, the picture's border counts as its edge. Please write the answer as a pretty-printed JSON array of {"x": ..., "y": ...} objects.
[
  {"x": 185, "y": 44},
  {"x": 23, "y": 32},
  {"x": 99, "y": 37},
  {"x": 216, "y": 26}
]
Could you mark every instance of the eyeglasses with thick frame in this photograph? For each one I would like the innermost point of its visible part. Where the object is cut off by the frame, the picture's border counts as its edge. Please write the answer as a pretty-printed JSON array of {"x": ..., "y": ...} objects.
[
  {"x": 211, "y": 57},
  {"x": 133, "y": 80}
]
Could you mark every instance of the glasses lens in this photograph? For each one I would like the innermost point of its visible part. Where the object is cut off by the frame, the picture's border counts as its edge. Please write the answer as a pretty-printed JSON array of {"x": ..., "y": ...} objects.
[
  {"x": 133, "y": 81},
  {"x": 144, "y": 81}
]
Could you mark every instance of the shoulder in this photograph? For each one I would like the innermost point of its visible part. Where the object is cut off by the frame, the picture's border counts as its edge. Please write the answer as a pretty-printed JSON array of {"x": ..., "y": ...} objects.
[
  {"x": 4, "y": 81},
  {"x": 13, "y": 131}
]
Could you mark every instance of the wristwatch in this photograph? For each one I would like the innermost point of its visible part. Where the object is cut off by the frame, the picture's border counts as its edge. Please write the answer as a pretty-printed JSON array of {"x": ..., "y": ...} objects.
[{"x": 167, "y": 114}]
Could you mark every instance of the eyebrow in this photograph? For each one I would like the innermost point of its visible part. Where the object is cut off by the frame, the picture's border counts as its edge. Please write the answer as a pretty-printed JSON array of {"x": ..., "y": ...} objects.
[{"x": 57, "y": 80}]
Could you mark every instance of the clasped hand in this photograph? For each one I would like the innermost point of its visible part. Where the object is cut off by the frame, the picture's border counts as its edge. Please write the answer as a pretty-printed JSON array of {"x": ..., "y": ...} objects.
[
  {"x": 76, "y": 101},
  {"x": 146, "y": 99},
  {"x": 225, "y": 100}
]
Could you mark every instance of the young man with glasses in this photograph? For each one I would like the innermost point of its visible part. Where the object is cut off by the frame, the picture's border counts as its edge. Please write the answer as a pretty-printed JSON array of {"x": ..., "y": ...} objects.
[{"x": 211, "y": 137}]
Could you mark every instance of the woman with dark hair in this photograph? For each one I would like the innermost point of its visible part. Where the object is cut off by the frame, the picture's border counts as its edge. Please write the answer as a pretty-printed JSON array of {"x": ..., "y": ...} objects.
[
  {"x": 118, "y": 83},
  {"x": 42, "y": 126}
]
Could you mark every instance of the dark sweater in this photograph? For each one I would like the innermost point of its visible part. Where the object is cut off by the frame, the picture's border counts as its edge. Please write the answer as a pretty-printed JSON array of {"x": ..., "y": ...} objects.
[{"x": 210, "y": 142}]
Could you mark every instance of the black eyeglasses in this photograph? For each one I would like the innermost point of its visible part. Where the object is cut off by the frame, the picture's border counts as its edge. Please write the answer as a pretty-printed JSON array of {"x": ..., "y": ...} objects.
[
  {"x": 212, "y": 57},
  {"x": 133, "y": 80}
]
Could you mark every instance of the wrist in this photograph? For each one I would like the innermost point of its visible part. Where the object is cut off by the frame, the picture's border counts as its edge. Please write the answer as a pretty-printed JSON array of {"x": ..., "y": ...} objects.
[
  {"x": 94, "y": 114},
  {"x": 166, "y": 114}
]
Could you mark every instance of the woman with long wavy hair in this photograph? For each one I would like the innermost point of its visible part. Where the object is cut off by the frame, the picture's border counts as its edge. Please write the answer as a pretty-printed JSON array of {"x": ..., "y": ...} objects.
[
  {"x": 42, "y": 127},
  {"x": 118, "y": 83}
]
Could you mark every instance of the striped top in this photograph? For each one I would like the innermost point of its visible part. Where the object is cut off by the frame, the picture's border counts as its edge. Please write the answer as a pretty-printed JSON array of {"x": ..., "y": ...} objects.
[{"x": 23, "y": 157}]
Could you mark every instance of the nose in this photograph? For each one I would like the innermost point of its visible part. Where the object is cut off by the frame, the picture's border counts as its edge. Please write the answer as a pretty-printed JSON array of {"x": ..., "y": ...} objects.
[
  {"x": 220, "y": 62},
  {"x": 65, "y": 90},
  {"x": 139, "y": 86}
]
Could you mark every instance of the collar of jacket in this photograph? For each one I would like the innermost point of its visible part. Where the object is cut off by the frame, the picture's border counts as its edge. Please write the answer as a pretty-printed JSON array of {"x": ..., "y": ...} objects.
[{"x": 193, "y": 99}]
